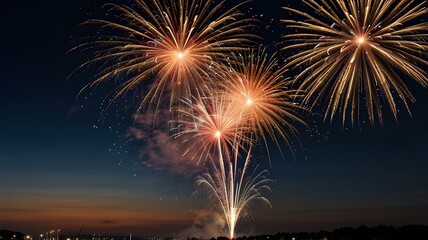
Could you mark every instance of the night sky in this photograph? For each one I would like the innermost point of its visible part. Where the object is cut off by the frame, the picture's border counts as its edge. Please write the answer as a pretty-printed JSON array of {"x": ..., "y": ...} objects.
[{"x": 63, "y": 163}]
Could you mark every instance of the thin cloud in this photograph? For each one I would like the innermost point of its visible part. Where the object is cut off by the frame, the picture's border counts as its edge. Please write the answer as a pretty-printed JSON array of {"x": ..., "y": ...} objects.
[{"x": 158, "y": 150}]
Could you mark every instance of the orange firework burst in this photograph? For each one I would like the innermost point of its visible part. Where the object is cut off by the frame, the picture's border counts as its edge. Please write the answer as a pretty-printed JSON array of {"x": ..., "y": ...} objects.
[
  {"x": 174, "y": 41},
  {"x": 355, "y": 49},
  {"x": 212, "y": 123},
  {"x": 256, "y": 84}
]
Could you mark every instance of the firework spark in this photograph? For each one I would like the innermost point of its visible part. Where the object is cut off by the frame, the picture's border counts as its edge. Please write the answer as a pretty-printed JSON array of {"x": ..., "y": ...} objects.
[
  {"x": 359, "y": 48},
  {"x": 233, "y": 189},
  {"x": 257, "y": 84},
  {"x": 174, "y": 41}
]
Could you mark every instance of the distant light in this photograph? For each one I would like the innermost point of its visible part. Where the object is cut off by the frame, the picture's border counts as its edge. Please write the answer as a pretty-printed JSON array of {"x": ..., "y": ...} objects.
[
  {"x": 180, "y": 55},
  {"x": 361, "y": 40},
  {"x": 249, "y": 101}
]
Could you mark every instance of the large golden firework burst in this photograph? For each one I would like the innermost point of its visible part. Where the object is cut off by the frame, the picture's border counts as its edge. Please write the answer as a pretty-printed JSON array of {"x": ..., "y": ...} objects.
[
  {"x": 172, "y": 42},
  {"x": 355, "y": 49}
]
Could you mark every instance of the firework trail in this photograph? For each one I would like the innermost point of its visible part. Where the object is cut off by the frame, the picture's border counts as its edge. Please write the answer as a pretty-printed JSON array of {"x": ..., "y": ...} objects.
[
  {"x": 359, "y": 49},
  {"x": 214, "y": 124},
  {"x": 233, "y": 189},
  {"x": 171, "y": 41},
  {"x": 218, "y": 130}
]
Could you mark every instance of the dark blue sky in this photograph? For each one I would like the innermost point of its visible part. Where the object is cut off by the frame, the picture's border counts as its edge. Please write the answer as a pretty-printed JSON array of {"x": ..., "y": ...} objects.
[{"x": 57, "y": 170}]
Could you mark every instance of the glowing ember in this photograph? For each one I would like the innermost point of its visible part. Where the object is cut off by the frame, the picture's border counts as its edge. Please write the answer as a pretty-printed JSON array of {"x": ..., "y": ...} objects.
[{"x": 218, "y": 134}]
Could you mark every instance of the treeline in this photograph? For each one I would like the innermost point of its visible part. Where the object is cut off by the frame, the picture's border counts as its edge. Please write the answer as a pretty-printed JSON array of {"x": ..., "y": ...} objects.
[
  {"x": 10, "y": 235},
  {"x": 411, "y": 232}
]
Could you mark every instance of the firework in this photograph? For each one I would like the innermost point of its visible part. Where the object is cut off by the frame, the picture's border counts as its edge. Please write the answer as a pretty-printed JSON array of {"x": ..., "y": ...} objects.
[
  {"x": 212, "y": 123},
  {"x": 359, "y": 49},
  {"x": 256, "y": 84},
  {"x": 252, "y": 101},
  {"x": 171, "y": 41},
  {"x": 215, "y": 126},
  {"x": 233, "y": 189}
]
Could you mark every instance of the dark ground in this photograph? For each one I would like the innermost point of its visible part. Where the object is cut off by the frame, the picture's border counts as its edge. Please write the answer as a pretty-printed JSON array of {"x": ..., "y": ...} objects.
[{"x": 409, "y": 232}]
